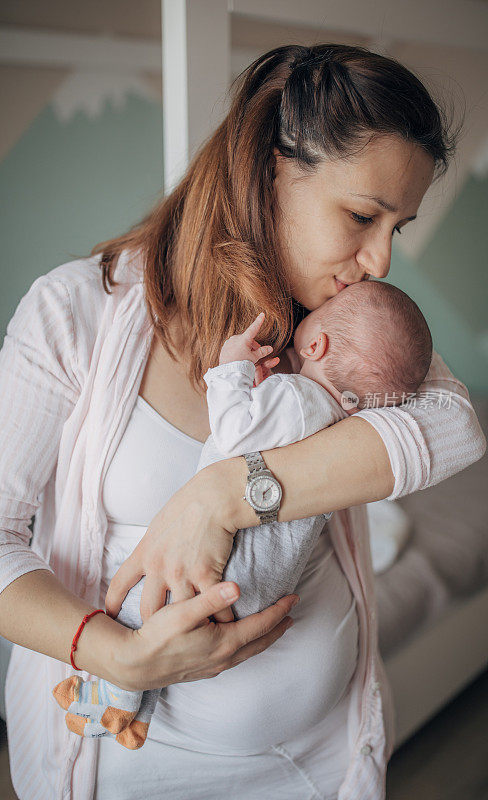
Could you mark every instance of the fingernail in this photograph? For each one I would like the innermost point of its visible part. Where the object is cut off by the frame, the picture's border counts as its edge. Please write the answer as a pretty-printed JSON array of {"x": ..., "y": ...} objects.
[
  {"x": 295, "y": 602},
  {"x": 228, "y": 593},
  {"x": 289, "y": 624}
]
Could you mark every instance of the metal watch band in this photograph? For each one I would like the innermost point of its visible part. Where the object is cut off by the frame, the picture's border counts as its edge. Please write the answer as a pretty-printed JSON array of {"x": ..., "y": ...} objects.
[
  {"x": 267, "y": 516},
  {"x": 256, "y": 464}
]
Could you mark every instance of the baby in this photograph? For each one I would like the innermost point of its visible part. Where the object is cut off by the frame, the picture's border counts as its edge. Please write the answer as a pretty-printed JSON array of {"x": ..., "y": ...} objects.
[
  {"x": 368, "y": 341},
  {"x": 368, "y": 345}
]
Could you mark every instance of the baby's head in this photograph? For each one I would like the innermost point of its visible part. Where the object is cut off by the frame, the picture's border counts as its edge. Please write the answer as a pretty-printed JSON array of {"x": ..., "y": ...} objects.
[{"x": 371, "y": 339}]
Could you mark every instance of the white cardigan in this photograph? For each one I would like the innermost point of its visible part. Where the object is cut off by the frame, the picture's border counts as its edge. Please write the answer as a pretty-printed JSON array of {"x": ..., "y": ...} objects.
[{"x": 70, "y": 370}]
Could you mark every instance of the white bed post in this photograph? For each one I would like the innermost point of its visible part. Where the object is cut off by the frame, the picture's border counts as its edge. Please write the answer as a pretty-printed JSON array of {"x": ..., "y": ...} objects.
[{"x": 196, "y": 76}]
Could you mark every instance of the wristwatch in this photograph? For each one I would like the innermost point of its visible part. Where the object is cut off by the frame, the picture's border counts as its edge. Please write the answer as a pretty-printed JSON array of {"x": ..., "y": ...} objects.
[{"x": 263, "y": 490}]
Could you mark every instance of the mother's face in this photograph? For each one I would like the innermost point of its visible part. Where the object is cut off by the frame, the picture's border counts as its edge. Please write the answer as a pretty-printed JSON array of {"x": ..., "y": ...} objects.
[{"x": 330, "y": 235}]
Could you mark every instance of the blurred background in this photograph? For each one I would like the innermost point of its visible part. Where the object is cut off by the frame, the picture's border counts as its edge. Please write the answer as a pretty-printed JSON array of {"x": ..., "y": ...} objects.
[{"x": 87, "y": 146}]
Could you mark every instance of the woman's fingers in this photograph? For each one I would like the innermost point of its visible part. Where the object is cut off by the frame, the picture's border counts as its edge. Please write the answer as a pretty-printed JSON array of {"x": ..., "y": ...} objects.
[
  {"x": 258, "y": 645},
  {"x": 128, "y": 574},
  {"x": 182, "y": 591},
  {"x": 225, "y": 615},
  {"x": 153, "y": 594},
  {"x": 208, "y": 604},
  {"x": 258, "y": 625}
]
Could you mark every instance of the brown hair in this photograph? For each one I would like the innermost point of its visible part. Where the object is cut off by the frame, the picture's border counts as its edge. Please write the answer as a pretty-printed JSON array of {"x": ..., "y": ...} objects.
[
  {"x": 210, "y": 248},
  {"x": 379, "y": 343}
]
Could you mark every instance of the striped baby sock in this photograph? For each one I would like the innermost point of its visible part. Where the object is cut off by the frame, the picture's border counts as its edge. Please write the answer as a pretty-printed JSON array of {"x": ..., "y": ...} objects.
[
  {"x": 135, "y": 734},
  {"x": 132, "y": 737},
  {"x": 99, "y": 702}
]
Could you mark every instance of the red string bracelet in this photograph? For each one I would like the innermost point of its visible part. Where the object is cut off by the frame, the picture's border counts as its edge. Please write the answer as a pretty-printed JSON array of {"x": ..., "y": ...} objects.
[{"x": 78, "y": 633}]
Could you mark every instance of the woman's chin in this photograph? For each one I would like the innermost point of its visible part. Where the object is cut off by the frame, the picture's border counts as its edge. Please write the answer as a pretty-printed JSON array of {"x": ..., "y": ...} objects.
[
  {"x": 312, "y": 303},
  {"x": 308, "y": 304},
  {"x": 328, "y": 296}
]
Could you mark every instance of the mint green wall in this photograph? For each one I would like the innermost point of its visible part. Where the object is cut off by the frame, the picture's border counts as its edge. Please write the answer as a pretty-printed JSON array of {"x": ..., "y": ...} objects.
[
  {"x": 456, "y": 260},
  {"x": 449, "y": 282},
  {"x": 66, "y": 186},
  {"x": 453, "y": 337}
]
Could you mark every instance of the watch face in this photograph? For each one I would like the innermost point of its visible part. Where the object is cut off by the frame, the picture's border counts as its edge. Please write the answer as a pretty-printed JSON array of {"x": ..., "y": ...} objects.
[{"x": 264, "y": 493}]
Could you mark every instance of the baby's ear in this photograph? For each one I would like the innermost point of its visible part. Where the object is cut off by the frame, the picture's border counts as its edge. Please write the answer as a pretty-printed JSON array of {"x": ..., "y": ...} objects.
[
  {"x": 317, "y": 347},
  {"x": 307, "y": 352}
]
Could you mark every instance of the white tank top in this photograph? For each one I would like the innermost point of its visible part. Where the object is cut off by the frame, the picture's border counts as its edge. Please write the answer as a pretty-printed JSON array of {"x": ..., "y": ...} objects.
[{"x": 277, "y": 694}]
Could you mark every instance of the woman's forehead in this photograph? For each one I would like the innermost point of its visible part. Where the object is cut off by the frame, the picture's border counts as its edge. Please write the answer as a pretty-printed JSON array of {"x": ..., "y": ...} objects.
[
  {"x": 397, "y": 175},
  {"x": 390, "y": 169}
]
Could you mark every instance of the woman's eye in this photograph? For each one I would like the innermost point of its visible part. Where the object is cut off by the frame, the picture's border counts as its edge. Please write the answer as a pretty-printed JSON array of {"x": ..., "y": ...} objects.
[
  {"x": 360, "y": 219},
  {"x": 366, "y": 220}
]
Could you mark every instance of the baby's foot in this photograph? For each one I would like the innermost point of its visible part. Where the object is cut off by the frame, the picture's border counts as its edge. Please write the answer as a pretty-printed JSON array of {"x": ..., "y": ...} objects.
[
  {"x": 135, "y": 734},
  {"x": 84, "y": 726},
  {"x": 132, "y": 737},
  {"x": 97, "y": 701}
]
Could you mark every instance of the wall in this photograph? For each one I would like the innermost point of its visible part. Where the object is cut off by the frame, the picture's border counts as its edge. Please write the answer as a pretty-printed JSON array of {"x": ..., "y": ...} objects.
[
  {"x": 65, "y": 186},
  {"x": 449, "y": 282}
]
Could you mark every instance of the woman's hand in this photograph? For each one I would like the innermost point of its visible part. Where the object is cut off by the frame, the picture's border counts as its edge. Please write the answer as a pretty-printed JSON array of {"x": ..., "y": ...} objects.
[
  {"x": 184, "y": 550},
  {"x": 179, "y": 642}
]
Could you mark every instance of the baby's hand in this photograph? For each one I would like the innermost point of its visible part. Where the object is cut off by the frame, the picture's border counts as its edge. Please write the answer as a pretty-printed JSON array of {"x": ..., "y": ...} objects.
[{"x": 243, "y": 347}]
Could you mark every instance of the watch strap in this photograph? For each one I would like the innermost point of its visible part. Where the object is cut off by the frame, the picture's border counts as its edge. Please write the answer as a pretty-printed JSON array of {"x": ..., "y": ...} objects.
[
  {"x": 257, "y": 465},
  {"x": 255, "y": 462},
  {"x": 267, "y": 516}
]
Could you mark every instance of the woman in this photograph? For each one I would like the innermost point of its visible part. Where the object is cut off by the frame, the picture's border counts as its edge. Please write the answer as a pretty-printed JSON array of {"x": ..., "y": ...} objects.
[{"x": 275, "y": 213}]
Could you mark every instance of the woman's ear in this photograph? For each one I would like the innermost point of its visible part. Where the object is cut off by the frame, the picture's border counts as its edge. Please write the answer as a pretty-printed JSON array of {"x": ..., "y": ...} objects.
[{"x": 316, "y": 348}]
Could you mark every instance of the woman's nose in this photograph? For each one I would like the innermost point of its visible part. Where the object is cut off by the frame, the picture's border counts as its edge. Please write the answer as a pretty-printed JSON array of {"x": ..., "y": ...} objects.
[{"x": 375, "y": 259}]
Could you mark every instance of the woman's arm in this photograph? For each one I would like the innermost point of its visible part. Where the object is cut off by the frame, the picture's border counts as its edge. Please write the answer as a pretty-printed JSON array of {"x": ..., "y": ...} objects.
[
  {"x": 39, "y": 385},
  {"x": 344, "y": 465},
  {"x": 434, "y": 436},
  {"x": 374, "y": 454},
  {"x": 177, "y": 644},
  {"x": 38, "y": 389},
  {"x": 189, "y": 541},
  {"x": 403, "y": 449}
]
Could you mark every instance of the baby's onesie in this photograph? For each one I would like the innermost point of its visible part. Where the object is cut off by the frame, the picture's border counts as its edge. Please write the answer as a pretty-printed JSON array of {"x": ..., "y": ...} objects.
[{"x": 266, "y": 561}]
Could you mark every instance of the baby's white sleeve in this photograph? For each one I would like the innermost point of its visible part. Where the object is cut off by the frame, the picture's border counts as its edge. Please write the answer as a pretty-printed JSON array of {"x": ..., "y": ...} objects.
[{"x": 283, "y": 409}]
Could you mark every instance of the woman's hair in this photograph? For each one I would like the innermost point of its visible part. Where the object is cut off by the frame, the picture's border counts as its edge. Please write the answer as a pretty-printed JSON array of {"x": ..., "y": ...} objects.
[{"x": 210, "y": 248}]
